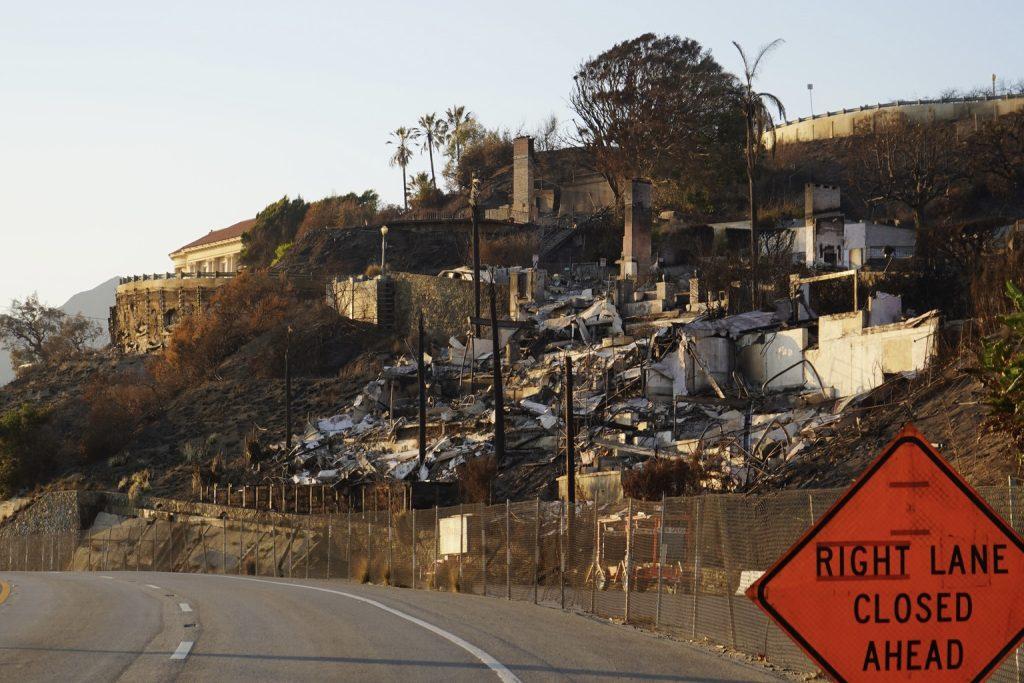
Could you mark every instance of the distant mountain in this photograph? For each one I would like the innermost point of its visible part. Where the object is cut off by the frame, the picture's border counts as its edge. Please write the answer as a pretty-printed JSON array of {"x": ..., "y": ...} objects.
[{"x": 94, "y": 304}]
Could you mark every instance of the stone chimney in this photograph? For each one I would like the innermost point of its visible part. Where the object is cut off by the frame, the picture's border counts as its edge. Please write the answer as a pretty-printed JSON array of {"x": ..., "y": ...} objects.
[
  {"x": 820, "y": 199},
  {"x": 636, "y": 241},
  {"x": 822, "y": 215},
  {"x": 524, "y": 208}
]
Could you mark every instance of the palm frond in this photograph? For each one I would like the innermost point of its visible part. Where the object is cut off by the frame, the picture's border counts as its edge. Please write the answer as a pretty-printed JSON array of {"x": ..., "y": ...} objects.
[
  {"x": 763, "y": 52},
  {"x": 746, "y": 64},
  {"x": 773, "y": 102}
]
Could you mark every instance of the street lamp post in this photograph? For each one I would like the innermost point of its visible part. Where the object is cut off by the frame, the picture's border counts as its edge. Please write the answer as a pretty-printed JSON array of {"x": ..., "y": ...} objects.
[
  {"x": 383, "y": 248},
  {"x": 810, "y": 95}
]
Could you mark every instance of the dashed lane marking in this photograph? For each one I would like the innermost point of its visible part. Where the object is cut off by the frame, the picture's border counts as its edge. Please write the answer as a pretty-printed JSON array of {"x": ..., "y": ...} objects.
[
  {"x": 183, "y": 649},
  {"x": 156, "y": 588},
  {"x": 184, "y": 607}
]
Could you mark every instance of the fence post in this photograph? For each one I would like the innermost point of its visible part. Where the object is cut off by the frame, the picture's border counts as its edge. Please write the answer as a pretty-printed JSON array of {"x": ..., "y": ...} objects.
[
  {"x": 206, "y": 557},
  {"x": 595, "y": 567},
  {"x": 273, "y": 538},
  {"x": 661, "y": 562},
  {"x": 106, "y": 548},
  {"x": 508, "y": 550},
  {"x": 53, "y": 543},
  {"x": 536, "y": 547},
  {"x": 390, "y": 538},
  {"x": 328, "y": 548},
  {"x": 256, "y": 545},
  {"x": 628, "y": 567},
  {"x": 241, "y": 546},
  {"x": 227, "y": 499},
  {"x": 348, "y": 544},
  {"x": 437, "y": 542},
  {"x": 723, "y": 527},
  {"x": 291, "y": 549},
  {"x": 414, "y": 548},
  {"x": 696, "y": 564},
  {"x": 462, "y": 538},
  {"x": 561, "y": 554},
  {"x": 309, "y": 545},
  {"x": 483, "y": 545},
  {"x": 171, "y": 554}
]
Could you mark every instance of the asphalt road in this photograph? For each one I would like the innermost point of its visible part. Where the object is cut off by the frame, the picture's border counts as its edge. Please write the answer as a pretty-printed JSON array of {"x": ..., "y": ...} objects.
[{"x": 192, "y": 627}]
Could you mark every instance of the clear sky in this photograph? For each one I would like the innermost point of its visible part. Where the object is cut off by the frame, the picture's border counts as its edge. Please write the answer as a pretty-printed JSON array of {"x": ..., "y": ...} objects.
[{"x": 130, "y": 128}]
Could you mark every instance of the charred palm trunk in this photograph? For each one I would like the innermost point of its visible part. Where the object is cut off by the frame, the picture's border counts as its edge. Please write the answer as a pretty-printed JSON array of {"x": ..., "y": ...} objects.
[
  {"x": 430, "y": 153},
  {"x": 752, "y": 197},
  {"x": 405, "y": 190}
]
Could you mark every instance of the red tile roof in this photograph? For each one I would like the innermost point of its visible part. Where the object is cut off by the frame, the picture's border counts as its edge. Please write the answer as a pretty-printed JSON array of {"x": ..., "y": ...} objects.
[{"x": 230, "y": 232}]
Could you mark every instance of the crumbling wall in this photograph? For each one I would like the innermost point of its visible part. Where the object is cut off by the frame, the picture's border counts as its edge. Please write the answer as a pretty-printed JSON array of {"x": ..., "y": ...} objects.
[
  {"x": 147, "y": 308},
  {"x": 355, "y": 299},
  {"x": 446, "y": 304},
  {"x": 851, "y": 359}
]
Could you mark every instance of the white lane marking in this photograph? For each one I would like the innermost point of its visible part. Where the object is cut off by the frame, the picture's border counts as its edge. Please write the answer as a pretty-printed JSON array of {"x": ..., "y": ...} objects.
[
  {"x": 493, "y": 664},
  {"x": 184, "y": 607},
  {"x": 183, "y": 649},
  {"x": 156, "y": 588},
  {"x": 106, "y": 577}
]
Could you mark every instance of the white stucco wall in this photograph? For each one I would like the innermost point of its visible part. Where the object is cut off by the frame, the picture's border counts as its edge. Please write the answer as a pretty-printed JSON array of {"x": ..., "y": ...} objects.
[{"x": 852, "y": 361}]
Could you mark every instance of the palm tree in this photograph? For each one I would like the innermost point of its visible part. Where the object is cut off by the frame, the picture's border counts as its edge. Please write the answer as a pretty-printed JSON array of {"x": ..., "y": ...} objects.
[
  {"x": 401, "y": 137},
  {"x": 757, "y": 114},
  {"x": 456, "y": 116},
  {"x": 434, "y": 131}
]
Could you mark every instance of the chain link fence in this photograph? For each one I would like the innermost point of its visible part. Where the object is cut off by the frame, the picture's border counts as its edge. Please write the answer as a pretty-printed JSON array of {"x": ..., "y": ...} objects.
[{"x": 678, "y": 566}]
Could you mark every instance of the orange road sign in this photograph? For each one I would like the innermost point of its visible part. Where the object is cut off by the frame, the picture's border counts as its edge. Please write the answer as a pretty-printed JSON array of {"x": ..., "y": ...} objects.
[{"x": 909, "y": 576}]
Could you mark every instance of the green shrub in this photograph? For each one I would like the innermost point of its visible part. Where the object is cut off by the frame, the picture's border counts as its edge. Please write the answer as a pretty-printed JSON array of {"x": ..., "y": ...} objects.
[
  {"x": 1001, "y": 360},
  {"x": 26, "y": 455}
]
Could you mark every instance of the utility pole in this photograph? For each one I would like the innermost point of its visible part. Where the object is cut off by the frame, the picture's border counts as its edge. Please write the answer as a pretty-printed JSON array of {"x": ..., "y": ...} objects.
[
  {"x": 422, "y": 376},
  {"x": 570, "y": 460},
  {"x": 288, "y": 390},
  {"x": 499, "y": 399},
  {"x": 570, "y": 436},
  {"x": 473, "y": 190}
]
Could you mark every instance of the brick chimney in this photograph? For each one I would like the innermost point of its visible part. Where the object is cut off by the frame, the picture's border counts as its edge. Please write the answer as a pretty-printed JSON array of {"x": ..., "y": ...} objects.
[
  {"x": 636, "y": 240},
  {"x": 524, "y": 208}
]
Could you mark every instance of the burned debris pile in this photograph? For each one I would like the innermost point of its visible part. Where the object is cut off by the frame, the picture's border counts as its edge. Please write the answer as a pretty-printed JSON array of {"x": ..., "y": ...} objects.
[{"x": 745, "y": 399}]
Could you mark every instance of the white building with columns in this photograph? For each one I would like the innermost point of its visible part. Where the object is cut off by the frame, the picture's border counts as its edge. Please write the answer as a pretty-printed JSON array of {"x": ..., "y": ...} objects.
[{"x": 218, "y": 251}]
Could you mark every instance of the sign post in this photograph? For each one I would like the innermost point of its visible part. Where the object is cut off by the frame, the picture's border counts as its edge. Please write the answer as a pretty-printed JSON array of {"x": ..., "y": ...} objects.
[{"x": 909, "y": 575}]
